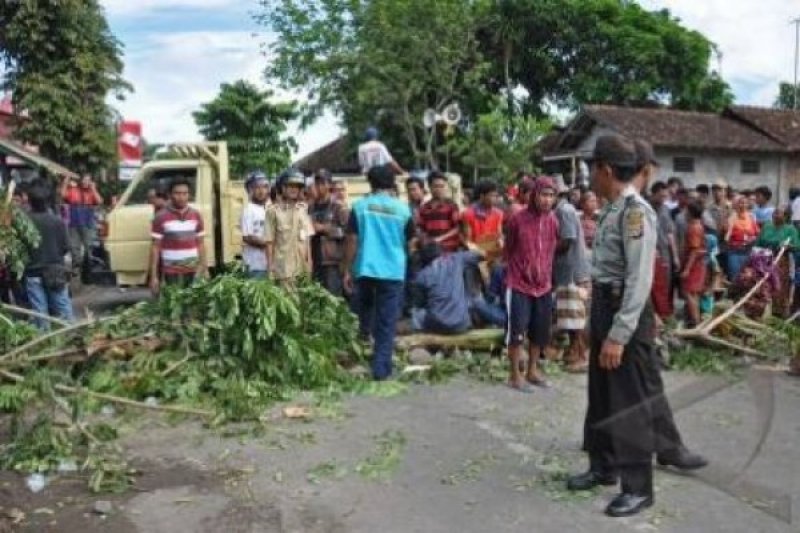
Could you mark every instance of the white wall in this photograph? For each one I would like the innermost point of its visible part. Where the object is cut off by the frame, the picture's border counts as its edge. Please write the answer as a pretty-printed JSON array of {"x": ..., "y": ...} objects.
[{"x": 708, "y": 167}]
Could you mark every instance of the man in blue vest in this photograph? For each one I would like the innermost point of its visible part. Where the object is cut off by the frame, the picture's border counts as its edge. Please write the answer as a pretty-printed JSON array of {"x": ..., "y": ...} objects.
[{"x": 378, "y": 232}]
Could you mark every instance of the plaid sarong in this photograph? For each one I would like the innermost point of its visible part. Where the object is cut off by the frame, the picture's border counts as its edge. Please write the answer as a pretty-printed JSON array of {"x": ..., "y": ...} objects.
[{"x": 570, "y": 308}]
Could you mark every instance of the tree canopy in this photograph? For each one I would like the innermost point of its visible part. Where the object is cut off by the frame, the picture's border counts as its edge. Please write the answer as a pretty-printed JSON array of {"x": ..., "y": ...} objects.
[
  {"x": 572, "y": 52},
  {"x": 383, "y": 62},
  {"x": 785, "y": 98},
  {"x": 253, "y": 126},
  {"x": 61, "y": 62}
]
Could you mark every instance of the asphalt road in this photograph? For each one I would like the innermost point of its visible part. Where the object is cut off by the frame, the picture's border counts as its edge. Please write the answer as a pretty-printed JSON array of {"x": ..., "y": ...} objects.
[{"x": 465, "y": 456}]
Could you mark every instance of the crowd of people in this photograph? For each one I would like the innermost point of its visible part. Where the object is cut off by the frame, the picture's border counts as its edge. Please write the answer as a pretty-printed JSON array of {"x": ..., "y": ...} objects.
[
  {"x": 65, "y": 219},
  {"x": 602, "y": 270}
]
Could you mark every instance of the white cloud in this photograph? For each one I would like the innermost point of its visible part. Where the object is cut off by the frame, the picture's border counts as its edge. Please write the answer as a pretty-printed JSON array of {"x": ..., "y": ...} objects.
[
  {"x": 173, "y": 73},
  {"x": 144, "y": 7},
  {"x": 755, "y": 37}
]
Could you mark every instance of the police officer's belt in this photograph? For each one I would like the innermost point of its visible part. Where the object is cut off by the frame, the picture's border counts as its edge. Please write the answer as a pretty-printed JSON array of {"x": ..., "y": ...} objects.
[{"x": 613, "y": 290}]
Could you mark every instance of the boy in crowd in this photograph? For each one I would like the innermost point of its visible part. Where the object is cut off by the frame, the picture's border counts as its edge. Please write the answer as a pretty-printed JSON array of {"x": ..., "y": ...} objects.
[
  {"x": 438, "y": 218},
  {"x": 762, "y": 210},
  {"x": 530, "y": 247},
  {"x": 253, "y": 221},
  {"x": 415, "y": 190}
]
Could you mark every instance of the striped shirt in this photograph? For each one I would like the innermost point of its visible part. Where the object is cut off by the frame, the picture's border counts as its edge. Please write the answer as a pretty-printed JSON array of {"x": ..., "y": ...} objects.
[
  {"x": 437, "y": 217},
  {"x": 179, "y": 234}
]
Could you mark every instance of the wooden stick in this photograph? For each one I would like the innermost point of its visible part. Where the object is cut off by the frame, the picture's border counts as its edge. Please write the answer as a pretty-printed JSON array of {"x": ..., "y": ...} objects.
[
  {"x": 42, "y": 357},
  {"x": 709, "y": 326},
  {"x": 27, "y": 312},
  {"x": 115, "y": 399},
  {"x": 47, "y": 336},
  {"x": 710, "y": 339},
  {"x": 87, "y": 352}
]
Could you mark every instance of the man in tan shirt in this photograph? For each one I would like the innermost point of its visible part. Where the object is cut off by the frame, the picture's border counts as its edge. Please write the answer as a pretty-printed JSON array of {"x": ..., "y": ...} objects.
[{"x": 288, "y": 231}]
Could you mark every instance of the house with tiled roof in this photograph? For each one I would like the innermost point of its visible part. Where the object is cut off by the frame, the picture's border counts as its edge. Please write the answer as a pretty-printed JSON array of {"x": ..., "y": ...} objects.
[{"x": 747, "y": 146}]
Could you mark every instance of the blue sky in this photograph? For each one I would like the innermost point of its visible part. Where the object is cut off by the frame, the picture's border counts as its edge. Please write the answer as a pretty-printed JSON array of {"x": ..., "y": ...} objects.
[{"x": 177, "y": 52}]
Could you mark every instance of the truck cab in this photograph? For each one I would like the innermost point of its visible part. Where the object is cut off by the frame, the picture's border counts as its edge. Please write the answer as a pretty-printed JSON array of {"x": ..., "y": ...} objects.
[{"x": 219, "y": 201}]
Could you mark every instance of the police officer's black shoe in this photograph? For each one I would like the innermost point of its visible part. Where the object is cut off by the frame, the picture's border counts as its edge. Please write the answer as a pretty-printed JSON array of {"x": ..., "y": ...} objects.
[
  {"x": 628, "y": 504},
  {"x": 589, "y": 480},
  {"x": 682, "y": 459}
]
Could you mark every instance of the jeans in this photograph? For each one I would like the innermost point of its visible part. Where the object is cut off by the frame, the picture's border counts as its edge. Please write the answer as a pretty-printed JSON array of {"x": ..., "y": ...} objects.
[
  {"x": 43, "y": 300},
  {"x": 736, "y": 260},
  {"x": 379, "y": 306},
  {"x": 257, "y": 274},
  {"x": 330, "y": 277},
  {"x": 489, "y": 314},
  {"x": 80, "y": 242}
]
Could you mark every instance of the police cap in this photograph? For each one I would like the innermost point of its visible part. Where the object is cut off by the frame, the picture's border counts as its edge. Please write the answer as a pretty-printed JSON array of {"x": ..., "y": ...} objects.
[{"x": 615, "y": 150}]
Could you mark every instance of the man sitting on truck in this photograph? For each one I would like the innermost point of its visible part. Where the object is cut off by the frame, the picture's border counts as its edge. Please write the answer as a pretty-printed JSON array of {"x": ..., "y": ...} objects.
[
  {"x": 253, "y": 220},
  {"x": 288, "y": 231},
  {"x": 373, "y": 153},
  {"x": 178, "y": 233}
]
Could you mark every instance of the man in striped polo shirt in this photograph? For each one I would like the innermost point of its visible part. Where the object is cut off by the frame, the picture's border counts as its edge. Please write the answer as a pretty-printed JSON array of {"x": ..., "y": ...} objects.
[{"x": 178, "y": 233}]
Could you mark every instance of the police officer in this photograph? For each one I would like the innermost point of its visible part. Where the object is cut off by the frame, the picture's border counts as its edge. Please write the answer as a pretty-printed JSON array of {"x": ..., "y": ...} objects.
[{"x": 628, "y": 418}]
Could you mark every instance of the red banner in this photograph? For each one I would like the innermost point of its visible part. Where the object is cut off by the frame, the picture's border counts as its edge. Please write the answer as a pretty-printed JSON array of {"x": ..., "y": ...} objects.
[{"x": 129, "y": 143}]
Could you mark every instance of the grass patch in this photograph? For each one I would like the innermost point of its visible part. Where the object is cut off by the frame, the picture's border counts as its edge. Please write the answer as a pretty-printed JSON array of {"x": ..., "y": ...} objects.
[
  {"x": 470, "y": 470},
  {"x": 386, "y": 457},
  {"x": 327, "y": 470},
  {"x": 702, "y": 360}
]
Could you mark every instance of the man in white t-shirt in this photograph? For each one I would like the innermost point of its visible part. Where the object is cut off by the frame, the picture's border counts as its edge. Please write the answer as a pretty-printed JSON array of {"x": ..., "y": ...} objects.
[
  {"x": 252, "y": 223},
  {"x": 373, "y": 153}
]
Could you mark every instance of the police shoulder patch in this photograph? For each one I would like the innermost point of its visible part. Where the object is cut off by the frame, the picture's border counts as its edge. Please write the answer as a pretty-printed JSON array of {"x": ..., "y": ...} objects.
[{"x": 634, "y": 223}]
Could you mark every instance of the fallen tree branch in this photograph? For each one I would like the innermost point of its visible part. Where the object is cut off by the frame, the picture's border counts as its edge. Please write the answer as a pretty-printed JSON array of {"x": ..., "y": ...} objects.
[
  {"x": 47, "y": 336},
  {"x": 27, "y": 312},
  {"x": 116, "y": 399},
  {"x": 85, "y": 352}
]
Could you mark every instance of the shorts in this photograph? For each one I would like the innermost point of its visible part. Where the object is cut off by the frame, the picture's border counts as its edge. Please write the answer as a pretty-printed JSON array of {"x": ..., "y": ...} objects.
[{"x": 528, "y": 315}]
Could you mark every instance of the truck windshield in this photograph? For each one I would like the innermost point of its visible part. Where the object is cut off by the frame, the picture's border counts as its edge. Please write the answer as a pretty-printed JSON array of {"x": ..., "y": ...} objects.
[{"x": 160, "y": 180}]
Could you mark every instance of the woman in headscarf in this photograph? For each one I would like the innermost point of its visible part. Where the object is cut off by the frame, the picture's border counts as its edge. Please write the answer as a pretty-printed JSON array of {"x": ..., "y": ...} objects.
[{"x": 774, "y": 235}]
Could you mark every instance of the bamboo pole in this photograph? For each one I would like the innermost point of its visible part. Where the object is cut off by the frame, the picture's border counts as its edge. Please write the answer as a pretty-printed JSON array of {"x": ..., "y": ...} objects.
[{"x": 709, "y": 326}]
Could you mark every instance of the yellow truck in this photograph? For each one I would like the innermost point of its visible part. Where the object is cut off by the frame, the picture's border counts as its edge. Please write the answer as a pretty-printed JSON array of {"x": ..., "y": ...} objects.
[{"x": 219, "y": 199}]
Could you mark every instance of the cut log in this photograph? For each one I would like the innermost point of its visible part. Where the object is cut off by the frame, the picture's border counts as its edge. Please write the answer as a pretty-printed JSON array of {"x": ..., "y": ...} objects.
[{"x": 474, "y": 339}]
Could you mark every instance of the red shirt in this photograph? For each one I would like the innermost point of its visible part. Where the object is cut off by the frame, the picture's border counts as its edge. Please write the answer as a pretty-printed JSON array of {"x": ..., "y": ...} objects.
[
  {"x": 483, "y": 224},
  {"x": 531, "y": 239},
  {"x": 179, "y": 235},
  {"x": 437, "y": 217}
]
